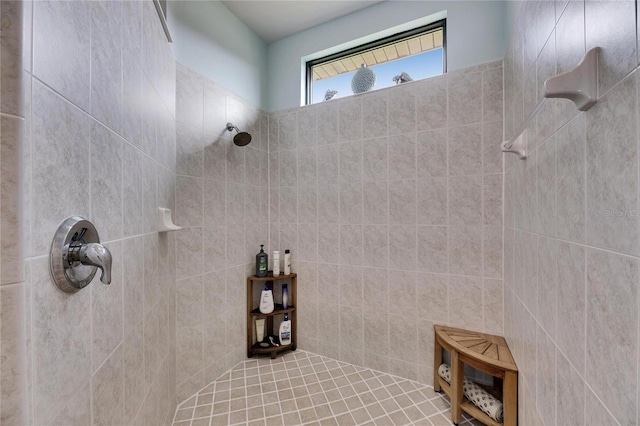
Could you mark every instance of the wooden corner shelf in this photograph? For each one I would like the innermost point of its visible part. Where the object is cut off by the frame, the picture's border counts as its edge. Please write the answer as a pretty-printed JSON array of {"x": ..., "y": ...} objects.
[{"x": 271, "y": 329}]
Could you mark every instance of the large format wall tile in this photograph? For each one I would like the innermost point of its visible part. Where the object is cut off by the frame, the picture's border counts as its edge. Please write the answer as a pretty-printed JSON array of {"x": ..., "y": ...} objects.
[
  {"x": 569, "y": 392},
  {"x": 402, "y": 110},
  {"x": 222, "y": 194},
  {"x": 58, "y": 337},
  {"x": 106, "y": 182},
  {"x": 595, "y": 180},
  {"x": 612, "y": 171},
  {"x": 431, "y": 111},
  {"x": 416, "y": 198},
  {"x": 61, "y": 48},
  {"x": 13, "y": 130},
  {"x": 618, "y": 46},
  {"x": 612, "y": 308},
  {"x": 570, "y": 180},
  {"x": 13, "y": 311},
  {"x": 107, "y": 310},
  {"x": 106, "y": 62},
  {"x": 107, "y": 389},
  {"x": 465, "y": 144},
  {"x": 103, "y": 146},
  {"x": 61, "y": 137},
  {"x": 465, "y": 97},
  {"x": 546, "y": 372}
]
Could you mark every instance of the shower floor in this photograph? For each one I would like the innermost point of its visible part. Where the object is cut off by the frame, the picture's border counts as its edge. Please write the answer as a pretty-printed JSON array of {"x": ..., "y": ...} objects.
[{"x": 301, "y": 388}]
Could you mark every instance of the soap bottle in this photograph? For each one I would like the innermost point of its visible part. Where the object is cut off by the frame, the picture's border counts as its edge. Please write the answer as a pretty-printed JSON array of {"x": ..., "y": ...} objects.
[
  {"x": 285, "y": 297},
  {"x": 262, "y": 262},
  {"x": 266, "y": 300},
  {"x": 285, "y": 331},
  {"x": 287, "y": 262},
  {"x": 276, "y": 263}
]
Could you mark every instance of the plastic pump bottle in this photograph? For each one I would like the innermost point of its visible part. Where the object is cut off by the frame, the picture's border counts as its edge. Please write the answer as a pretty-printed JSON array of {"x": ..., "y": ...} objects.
[{"x": 262, "y": 262}]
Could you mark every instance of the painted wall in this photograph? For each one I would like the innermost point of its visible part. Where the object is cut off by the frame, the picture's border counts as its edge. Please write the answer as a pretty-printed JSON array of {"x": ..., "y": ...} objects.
[
  {"x": 391, "y": 204},
  {"x": 572, "y": 241},
  {"x": 101, "y": 144},
  {"x": 212, "y": 41},
  {"x": 475, "y": 34},
  {"x": 222, "y": 205}
]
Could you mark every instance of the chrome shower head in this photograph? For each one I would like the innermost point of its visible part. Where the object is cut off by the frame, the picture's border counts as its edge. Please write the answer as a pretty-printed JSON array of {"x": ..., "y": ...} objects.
[{"x": 241, "y": 138}]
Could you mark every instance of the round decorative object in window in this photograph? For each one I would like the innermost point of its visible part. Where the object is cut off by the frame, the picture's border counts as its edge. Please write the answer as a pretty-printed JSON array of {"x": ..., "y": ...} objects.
[{"x": 363, "y": 80}]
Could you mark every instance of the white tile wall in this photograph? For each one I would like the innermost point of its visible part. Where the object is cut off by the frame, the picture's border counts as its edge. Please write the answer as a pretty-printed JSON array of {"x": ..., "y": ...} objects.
[
  {"x": 571, "y": 219},
  {"x": 101, "y": 143},
  {"x": 391, "y": 202},
  {"x": 222, "y": 205}
]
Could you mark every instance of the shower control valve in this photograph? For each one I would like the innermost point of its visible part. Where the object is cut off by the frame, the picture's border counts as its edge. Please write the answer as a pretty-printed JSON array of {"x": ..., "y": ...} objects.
[{"x": 76, "y": 254}]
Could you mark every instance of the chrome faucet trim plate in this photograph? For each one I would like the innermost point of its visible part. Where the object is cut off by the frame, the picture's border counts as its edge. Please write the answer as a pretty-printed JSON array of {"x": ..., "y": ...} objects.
[{"x": 76, "y": 254}]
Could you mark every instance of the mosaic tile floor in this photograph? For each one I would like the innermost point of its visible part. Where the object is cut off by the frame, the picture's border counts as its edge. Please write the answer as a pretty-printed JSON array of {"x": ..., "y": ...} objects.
[{"x": 301, "y": 388}]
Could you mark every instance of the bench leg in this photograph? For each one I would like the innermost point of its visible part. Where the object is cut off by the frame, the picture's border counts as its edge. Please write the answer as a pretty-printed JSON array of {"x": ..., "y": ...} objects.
[
  {"x": 457, "y": 375},
  {"x": 437, "y": 360},
  {"x": 510, "y": 398}
]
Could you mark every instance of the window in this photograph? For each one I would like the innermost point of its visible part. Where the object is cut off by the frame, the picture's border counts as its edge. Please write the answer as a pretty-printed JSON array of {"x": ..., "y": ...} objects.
[{"x": 418, "y": 53}]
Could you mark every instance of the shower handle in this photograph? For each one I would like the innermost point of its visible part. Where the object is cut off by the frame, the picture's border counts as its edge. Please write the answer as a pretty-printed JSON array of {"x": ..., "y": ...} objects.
[
  {"x": 93, "y": 254},
  {"x": 76, "y": 254}
]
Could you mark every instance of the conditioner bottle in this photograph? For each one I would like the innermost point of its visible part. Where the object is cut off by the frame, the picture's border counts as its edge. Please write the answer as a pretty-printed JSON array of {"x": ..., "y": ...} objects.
[
  {"x": 276, "y": 263},
  {"x": 266, "y": 300},
  {"x": 285, "y": 331},
  {"x": 287, "y": 262}
]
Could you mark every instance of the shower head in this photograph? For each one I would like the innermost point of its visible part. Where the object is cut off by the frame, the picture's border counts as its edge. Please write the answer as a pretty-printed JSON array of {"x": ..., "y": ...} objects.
[{"x": 241, "y": 138}]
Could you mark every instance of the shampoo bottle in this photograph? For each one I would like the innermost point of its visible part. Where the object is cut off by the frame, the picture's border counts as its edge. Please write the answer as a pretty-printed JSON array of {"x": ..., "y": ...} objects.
[
  {"x": 276, "y": 263},
  {"x": 285, "y": 331},
  {"x": 266, "y": 300},
  {"x": 287, "y": 262},
  {"x": 262, "y": 262}
]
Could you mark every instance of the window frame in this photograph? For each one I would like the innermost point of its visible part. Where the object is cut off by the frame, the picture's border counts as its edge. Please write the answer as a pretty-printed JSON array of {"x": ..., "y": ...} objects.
[{"x": 442, "y": 23}]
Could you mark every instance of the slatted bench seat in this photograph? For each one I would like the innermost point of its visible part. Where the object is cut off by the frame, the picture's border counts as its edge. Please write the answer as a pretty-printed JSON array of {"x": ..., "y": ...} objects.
[{"x": 485, "y": 352}]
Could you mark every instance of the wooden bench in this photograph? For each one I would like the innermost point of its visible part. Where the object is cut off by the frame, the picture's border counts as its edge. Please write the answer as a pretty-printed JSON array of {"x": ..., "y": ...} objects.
[{"x": 485, "y": 352}]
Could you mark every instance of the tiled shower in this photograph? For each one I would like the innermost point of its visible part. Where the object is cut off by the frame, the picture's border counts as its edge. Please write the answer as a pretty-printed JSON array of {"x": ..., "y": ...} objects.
[
  {"x": 571, "y": 239},
  {"x": 379, "y": 220},
  {"x": 391, "y": 203}
]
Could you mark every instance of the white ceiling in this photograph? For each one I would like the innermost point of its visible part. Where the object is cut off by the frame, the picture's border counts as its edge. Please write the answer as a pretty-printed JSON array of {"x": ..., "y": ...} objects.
[{"x": 273, "y": 20}]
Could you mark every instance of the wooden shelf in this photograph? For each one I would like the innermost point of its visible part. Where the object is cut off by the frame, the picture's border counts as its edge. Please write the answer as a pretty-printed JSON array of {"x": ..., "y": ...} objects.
[
  {"x": 468, "y": 407},
  {"x": 271, "y": 329},
  {"x": 276, "y": 311},
  {"x": 272, "y": 350},
  {"x": 271, "y": 278}
]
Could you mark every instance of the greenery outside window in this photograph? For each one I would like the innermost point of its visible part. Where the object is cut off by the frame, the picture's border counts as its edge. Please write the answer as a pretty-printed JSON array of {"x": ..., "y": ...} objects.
[{"x": 406, "y": 56}]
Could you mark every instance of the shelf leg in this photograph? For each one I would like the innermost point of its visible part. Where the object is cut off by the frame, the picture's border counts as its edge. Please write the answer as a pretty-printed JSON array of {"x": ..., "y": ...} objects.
[
  {"x": 457, "y": 372},
  {"x": 437, "y": 360},
  {"x": 510, "y": 398}
]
